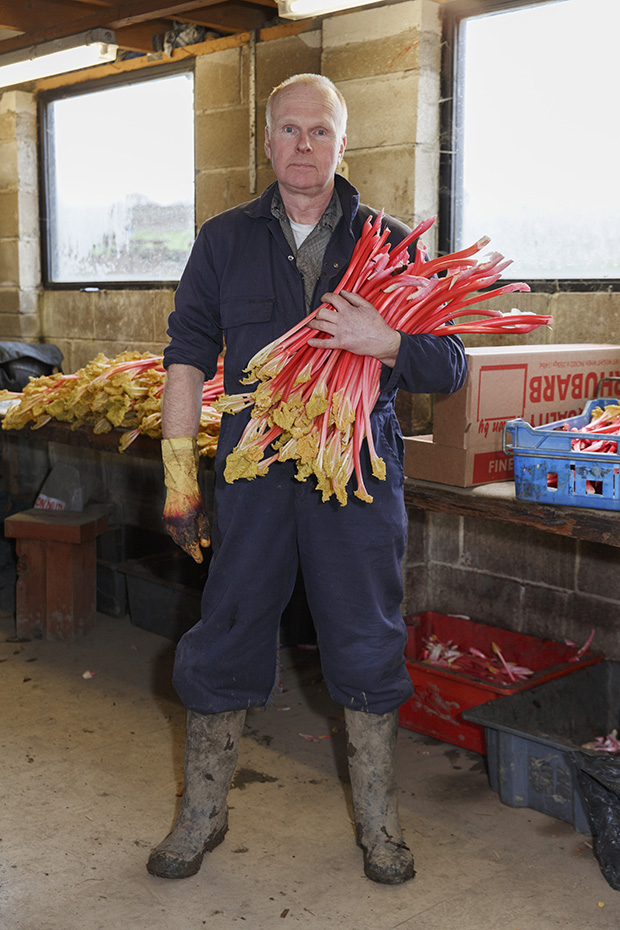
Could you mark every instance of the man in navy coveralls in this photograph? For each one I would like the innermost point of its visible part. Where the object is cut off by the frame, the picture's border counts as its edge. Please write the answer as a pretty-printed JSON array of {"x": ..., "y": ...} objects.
[{"x": 253, "y": 273}]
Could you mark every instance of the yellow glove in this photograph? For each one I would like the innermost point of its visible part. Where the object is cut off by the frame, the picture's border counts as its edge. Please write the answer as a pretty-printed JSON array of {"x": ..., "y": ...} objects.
[{"x": 184, "y": 512}]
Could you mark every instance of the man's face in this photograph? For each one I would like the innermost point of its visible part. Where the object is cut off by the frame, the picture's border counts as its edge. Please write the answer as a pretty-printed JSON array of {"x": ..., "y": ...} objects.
[{"x": 304, "y": 145}]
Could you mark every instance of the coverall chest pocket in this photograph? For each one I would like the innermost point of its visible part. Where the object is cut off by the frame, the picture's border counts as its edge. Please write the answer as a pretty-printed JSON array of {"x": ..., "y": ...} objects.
[
  {"x": 247, "y": 324},
  {"x": 241, "y": 311}
]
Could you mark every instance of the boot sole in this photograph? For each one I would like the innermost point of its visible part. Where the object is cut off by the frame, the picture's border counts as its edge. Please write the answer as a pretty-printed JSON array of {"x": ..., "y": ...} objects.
[
  {"x": 162, "y": 865},
  {"x": 388, "y": 877},
  {"x": 395, "y": 874}
]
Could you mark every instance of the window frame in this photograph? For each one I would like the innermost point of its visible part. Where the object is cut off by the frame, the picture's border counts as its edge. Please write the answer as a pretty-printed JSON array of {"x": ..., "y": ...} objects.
[
  {"x": 44, "y": 147},
  {"x": 449, "y": 117}
]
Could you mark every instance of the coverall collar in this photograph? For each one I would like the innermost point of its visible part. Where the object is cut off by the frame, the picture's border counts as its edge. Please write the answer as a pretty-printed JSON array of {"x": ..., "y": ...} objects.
[{"x": 349, "y": 200}]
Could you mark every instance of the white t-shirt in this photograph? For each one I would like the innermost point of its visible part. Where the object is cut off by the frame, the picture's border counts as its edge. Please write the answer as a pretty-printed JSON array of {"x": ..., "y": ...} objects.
[{"x": 301, "y": 231}]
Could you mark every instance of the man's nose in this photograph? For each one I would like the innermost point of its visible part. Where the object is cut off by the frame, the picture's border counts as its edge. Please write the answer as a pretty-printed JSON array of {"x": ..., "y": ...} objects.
[{"x": 303, "y": 143}]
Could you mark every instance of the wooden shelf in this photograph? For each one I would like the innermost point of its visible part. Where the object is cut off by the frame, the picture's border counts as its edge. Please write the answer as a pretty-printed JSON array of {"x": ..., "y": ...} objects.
[{"x": 497, "y": 502}]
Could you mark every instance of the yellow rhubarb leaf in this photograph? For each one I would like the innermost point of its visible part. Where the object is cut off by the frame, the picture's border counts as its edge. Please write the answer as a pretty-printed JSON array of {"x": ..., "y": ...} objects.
[
  {"x": 307, "y": 447},
  {"x": 378, "y": 467},
  {"x": 317, "y": 402}
]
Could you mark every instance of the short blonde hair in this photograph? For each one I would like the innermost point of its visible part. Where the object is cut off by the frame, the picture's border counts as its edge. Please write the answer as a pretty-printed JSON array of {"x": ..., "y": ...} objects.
[{"x": 318, "y": 81}]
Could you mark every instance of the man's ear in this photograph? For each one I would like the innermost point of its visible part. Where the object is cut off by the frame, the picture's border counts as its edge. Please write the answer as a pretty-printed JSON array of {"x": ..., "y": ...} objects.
[
  {"x": 267, "y": 144},
  {"x": 343, "y": 146}
]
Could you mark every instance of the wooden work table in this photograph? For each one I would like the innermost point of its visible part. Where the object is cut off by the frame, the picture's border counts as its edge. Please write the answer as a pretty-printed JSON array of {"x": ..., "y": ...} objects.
[
  {"x": 84, "y": 437},
  {"x": 497, "y": 502}
]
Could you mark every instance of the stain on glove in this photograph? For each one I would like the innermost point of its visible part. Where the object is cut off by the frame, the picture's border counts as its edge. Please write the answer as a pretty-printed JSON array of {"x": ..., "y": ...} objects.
[{"x": 185, "y": 517}]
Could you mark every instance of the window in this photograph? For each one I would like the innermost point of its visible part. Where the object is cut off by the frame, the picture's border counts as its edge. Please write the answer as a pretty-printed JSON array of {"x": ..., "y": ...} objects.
[
  {"x": 119, "y": 182},
  {"x": 531, "y": 158}
]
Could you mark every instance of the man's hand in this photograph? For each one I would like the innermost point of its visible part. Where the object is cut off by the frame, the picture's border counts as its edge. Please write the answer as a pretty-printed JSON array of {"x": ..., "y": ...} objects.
[
  {"x": 184, "y": 513},
  {"x": 355, "y": 325}
]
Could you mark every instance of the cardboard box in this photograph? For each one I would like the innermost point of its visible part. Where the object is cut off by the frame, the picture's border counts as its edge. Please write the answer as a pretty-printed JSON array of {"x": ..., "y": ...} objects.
[
  {"x": 540, "y": 384},
  {"x": 462, "y": 468}
]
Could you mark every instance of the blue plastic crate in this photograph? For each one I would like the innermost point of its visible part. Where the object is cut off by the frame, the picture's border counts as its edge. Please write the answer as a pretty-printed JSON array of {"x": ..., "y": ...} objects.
[{"x": 549, "y": 471}]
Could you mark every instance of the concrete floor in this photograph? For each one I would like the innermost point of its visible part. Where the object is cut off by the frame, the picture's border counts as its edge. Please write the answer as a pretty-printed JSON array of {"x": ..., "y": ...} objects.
[{"x": 91, "y": 769}]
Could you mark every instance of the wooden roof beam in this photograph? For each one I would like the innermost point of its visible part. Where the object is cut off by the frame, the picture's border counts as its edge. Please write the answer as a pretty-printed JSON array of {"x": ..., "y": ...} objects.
[
  {"x": 37, "y": 15},
  {"x": 39, "y": 29},
  {"x": 139, "y": 37},
  {"x": 137, "y": 11},
  {"x": 228, "y": 17}
]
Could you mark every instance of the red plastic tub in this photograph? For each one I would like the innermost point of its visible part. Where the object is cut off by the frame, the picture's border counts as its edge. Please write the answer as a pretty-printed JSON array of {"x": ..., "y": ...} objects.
[{"x": 441, "y": 694}]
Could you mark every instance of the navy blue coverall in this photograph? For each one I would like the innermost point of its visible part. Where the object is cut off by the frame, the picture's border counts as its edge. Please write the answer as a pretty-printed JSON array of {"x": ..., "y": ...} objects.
[{"x": 241, "y": 287}]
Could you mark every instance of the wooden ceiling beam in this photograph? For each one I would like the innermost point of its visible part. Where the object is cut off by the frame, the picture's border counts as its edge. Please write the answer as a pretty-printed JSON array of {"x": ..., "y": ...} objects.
[
  {"x": 36, "y": 14},
  {"x": 137, "y": 11},
  {"x": 228, "y": 17},
  {"x": 139, "y": 37},
  {"x": 39, "y": 28}
]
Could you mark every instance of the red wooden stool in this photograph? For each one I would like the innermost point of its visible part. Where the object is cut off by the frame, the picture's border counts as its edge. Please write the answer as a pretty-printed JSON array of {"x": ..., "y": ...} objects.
[{"x": 56, "y": 593}]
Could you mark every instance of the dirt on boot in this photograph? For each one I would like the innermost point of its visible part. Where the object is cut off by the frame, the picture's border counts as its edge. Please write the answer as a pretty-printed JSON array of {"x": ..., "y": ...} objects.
[
  {"x": 371, "y": 744},
  {"x": 211, "y": 751}
]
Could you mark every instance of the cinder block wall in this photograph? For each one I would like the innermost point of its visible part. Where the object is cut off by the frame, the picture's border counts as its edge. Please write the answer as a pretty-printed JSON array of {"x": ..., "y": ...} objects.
[{"x": 517, "y": 578}]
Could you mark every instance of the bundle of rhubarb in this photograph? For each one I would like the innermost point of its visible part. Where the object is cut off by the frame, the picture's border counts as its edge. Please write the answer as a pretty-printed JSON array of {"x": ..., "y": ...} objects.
[
  {"x": 123, "y": 392},
  {"x": 313, "y": 405},
  {"x": 605, "y": 420}
]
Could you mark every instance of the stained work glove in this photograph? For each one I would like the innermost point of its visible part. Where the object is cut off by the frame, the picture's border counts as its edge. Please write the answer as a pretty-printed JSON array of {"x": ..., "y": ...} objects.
[{"x": 184, "y": 512}]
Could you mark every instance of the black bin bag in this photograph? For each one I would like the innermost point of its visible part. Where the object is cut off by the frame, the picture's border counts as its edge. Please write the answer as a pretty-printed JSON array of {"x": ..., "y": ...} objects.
[
  {"x": 20, "y": 361},
  {"x": 599, "y": 780}
]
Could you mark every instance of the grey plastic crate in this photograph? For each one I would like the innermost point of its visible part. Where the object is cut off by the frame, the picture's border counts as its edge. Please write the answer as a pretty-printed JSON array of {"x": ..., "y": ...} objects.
[
  {"x": 164, "y": 592},
  {"x": 530, "y": 737},
  {"x": 111, "y": 590}
]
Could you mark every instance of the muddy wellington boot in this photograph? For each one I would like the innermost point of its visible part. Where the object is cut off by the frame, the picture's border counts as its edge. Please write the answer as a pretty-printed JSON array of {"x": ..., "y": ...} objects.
[
  {"x": 371, "y": 743},
  {"x": 211, "y": 750}
]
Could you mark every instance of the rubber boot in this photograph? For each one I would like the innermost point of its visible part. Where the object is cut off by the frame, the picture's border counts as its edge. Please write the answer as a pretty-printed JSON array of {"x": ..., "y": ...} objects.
[
  {"x": 371, "y": 743},
  {"x": 211, "y": 750}
]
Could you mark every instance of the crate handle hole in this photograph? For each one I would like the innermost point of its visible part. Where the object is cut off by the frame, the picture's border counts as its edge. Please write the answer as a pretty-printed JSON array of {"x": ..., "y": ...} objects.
[
  {"x": 552, "y": 480},
  {"x": 594, "y": 487}
]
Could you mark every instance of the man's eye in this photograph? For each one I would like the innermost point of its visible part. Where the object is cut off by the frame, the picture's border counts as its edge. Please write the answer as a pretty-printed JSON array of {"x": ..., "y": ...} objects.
[{"x": 289, "y": 130}]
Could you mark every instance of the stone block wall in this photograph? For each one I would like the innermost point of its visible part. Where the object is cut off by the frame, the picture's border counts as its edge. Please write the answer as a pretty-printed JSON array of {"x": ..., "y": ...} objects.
[
  {"x": 82, "y": 324},
  {"x": 386, "y": 61},
  {"x": 387, "y": 64},
  {"x": 20, "y": 273},
  {"x": 223, "y": 116},
  {"x": 578, "y": 316}
]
